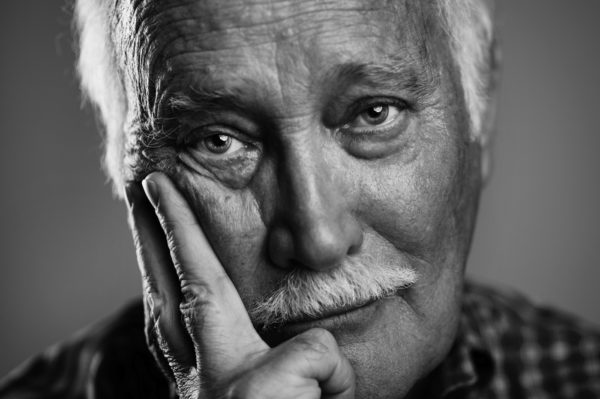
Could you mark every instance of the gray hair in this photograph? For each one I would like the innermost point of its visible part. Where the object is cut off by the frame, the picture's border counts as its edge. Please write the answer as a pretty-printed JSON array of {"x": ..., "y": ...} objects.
[{"x": 468, "y": 24}]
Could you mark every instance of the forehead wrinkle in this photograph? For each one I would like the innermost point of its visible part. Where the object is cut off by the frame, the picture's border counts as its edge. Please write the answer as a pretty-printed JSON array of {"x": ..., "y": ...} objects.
[
  {"x": 185, "y": 38},
  {"x": 218, "y": 17},
  {"x": 230, "y": 81},
  {"x": 158, "y": 42},
  {"x": 399, "y": 73},
  {"x": 165, "y": 43},
  {"x": 216, "y": 26}
]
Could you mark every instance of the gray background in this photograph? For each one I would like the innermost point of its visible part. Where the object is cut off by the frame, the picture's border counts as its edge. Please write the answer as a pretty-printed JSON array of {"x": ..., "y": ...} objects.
[{"x": 65, "y": 251}]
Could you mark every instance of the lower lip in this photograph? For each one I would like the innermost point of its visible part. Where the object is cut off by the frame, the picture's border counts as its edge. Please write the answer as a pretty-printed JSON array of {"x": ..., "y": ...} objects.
[{"x": 352, "y": 321}]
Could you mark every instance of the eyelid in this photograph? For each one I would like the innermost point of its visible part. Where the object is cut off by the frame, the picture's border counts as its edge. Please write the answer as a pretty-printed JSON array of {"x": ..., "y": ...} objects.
[
  {"x": 364, "y": 104},
  {"x": 237, "y": 124},
  {"x": 193, "y": 135},
  {"x": 359, "y": 108},
  {"x": 390, "y": 119}
]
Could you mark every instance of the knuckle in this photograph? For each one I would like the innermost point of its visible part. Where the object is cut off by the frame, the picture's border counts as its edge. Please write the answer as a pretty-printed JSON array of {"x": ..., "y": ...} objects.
[
  {"x": 197, "y": 301},
  {"x": 150, "y": 286},
  {"x": 321, "y": 336},
  {"x": 316, "y": 340},
  {"x": 159, "y": 306},
  {"x": 195, "y": 292},
  {"x": 164, "y": 221},
  {"x": 154, "y": 301},
  {"x": 138, "y": 241},
  {"x": 246, "y": 387},
  {"x": 172, "y": 241}
]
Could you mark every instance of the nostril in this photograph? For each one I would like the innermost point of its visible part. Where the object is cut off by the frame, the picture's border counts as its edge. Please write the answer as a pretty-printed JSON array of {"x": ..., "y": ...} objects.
[
  {"x": 319, "y": 247},
  {"x": 355, "y": 248},
  {"x": 354, "y": 234},
  {"x": 281, "y": 247}
]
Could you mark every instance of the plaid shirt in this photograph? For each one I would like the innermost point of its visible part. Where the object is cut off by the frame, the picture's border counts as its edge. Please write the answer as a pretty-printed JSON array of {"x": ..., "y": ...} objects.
[{"x": 506, "y": 348}]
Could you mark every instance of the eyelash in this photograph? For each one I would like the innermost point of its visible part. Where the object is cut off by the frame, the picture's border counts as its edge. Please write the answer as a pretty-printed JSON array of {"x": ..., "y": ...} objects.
[
  {"x": 193, "y": 136},
  {"x": 363, "y": 106}
]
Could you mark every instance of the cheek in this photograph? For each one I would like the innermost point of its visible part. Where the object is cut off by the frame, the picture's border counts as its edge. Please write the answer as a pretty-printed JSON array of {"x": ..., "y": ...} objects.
[
  {"x": 412, "y": 204},
  {"x": 231, "y": 221}
]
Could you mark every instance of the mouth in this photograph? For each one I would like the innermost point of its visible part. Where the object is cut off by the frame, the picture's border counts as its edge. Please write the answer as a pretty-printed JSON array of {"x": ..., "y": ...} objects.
[
  {"x": 332, "y": 312},
  {"x": 349, "y": 319}
]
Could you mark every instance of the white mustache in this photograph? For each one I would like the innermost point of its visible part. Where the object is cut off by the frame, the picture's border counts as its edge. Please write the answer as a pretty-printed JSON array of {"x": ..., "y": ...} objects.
[{"x": 306, "y": 294}]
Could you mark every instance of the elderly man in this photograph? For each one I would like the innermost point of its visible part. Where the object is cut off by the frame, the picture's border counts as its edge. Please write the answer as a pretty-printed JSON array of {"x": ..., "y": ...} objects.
[{"x": 302, "y": 181}]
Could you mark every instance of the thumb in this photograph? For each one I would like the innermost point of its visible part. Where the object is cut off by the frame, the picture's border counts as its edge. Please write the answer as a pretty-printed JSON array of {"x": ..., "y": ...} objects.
[{"x": 315, "y": 355}]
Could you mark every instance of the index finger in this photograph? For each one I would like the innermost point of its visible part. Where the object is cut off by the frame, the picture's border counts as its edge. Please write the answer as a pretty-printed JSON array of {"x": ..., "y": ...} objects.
[
  {"x": 164, "y": 330},
  {"x": 214, "y": 312}
]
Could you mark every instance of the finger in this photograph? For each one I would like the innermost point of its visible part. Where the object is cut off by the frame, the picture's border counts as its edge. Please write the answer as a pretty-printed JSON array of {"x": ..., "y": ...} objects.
[
  {"x": 161, "y": 286},
  {"x": 316, "y": 354},
  {"x": 215, "y": 315},
  {"x": 294, "y": 366}
]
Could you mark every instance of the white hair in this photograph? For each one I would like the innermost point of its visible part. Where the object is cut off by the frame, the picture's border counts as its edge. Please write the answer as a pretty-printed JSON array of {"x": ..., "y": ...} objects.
[
  {"x": 100, "y": 82},
  {"x": 468, "y": 24},
  {"x": 304, "y": 294}
]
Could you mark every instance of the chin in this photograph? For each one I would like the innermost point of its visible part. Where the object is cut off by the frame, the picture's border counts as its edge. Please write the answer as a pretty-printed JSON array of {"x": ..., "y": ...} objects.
[{"x": 390, "y": 346}]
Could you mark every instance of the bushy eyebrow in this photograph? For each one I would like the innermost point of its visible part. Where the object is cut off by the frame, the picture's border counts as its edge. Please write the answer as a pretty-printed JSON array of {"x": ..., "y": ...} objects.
[
  {"x": 197, "y": 99},
  {"x": 395, "y": 77},
  {"x": 194, "y": 100}
]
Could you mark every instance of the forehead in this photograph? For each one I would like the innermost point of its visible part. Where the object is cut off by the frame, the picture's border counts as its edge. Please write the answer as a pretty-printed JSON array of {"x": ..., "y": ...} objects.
[{"x": 279, "y": 48}]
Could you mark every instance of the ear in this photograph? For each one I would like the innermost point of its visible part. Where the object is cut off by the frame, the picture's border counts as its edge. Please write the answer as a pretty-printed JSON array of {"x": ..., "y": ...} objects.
[{"x": 488, "y": 125}]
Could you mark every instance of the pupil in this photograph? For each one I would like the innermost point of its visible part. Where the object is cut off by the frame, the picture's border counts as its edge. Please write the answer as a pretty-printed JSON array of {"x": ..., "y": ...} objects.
[
  {"x": 220, "y": 140},
  {"x": 219, "y": 143},
  {"x": 377, "y": 114}
]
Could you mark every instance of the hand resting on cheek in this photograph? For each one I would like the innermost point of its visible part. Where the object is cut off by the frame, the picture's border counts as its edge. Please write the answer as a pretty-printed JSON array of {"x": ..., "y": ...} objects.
[{"x": 197, "y": 325}]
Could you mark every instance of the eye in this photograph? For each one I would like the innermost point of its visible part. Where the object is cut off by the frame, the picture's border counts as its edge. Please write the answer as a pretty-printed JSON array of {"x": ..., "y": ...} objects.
[
  {"x": 375, "y": 127},
  {"x": 379, "y": 115},
  {"x": 221, "y": 144},
  {"x": 227, "y": 153},
  {"x": 375, "y": 115}
]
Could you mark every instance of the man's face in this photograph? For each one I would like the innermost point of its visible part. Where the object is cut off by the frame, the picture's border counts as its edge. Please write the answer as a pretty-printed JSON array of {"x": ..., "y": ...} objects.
[{"x": 305, "y": 134}]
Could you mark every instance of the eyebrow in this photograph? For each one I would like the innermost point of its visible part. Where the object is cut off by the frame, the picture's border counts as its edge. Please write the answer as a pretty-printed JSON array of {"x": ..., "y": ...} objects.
[
  {"x": 396, "y": 76},
  {"x": 196, "y": 99}
]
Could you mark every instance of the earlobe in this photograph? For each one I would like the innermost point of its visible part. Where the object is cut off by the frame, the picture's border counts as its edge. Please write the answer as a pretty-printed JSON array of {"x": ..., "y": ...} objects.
[
  {"x": 486, "y": 164},
  {"x": 486, "y": 136},
  {"x": 488, "y": 126}
]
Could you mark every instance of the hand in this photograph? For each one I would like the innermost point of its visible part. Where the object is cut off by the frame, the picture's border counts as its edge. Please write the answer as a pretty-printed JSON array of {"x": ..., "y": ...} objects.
[{"x": 216, "y": 352}]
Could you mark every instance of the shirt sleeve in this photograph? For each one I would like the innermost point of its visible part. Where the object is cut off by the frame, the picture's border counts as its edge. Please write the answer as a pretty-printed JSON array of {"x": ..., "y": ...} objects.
[{"x": 109, "y": 359}]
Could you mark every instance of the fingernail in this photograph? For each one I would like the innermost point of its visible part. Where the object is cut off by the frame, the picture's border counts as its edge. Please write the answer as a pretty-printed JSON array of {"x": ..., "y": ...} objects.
[{"x": 151, "y": 191}]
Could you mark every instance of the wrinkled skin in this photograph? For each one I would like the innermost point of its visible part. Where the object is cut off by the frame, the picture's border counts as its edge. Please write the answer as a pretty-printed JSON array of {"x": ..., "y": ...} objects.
[{"x": 305, "y": 183}]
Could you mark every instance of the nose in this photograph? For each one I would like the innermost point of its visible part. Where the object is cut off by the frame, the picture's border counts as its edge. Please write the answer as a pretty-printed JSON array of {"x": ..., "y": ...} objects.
[{"x": 314, "y": 227}]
